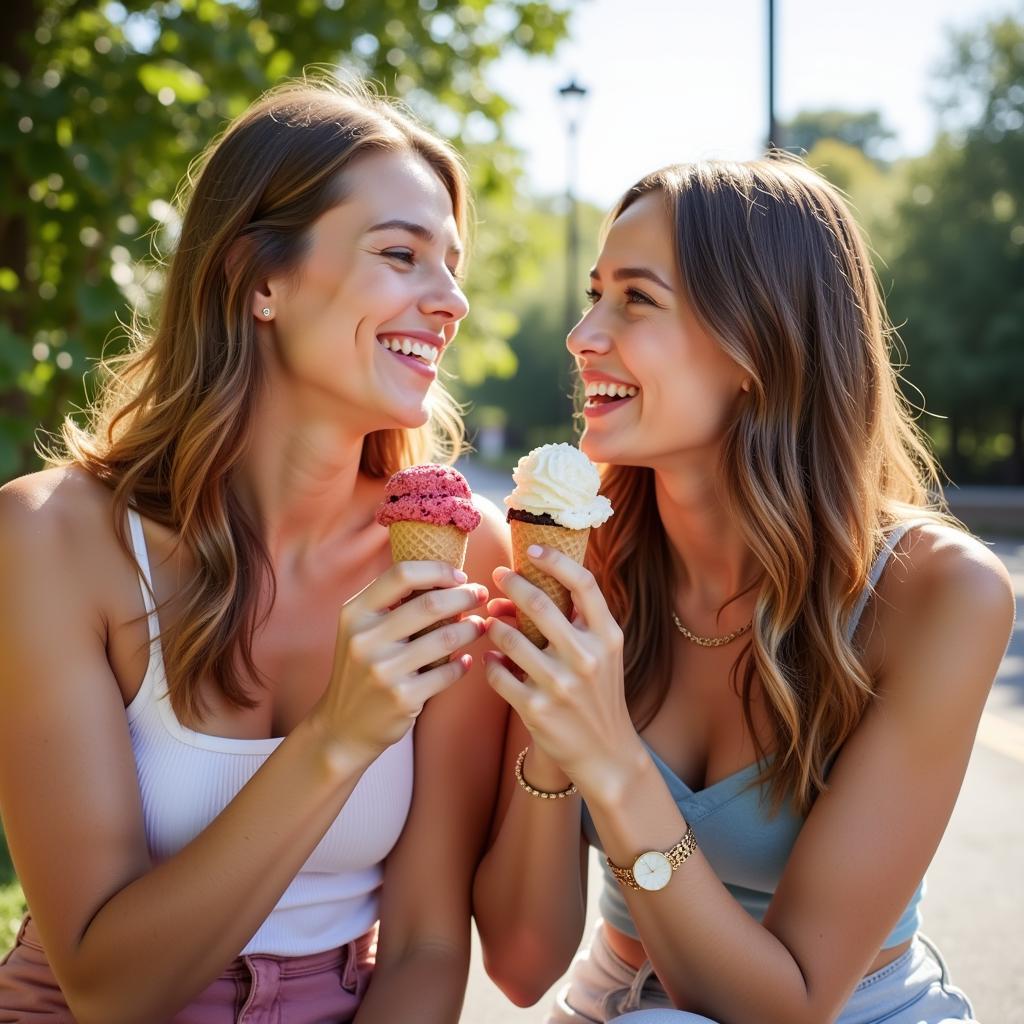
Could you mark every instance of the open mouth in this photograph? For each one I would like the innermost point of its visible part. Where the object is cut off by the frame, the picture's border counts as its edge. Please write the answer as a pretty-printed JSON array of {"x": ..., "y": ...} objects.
[
  {"x": 605, "y": 393},
  {"x": 418, "y": 352}
]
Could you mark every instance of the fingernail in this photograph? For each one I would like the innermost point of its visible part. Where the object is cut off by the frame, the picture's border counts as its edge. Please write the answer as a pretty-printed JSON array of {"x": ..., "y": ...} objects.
[
  {"x": 460, "y": 576},
  {"x": 500, "y": 573},
  {"x": 535, "y": 551},
  {"x": 482, "y": 594}
]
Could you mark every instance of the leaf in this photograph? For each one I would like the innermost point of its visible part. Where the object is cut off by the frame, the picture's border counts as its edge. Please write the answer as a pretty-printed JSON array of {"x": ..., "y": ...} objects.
[{"x": 185, "y": 85}]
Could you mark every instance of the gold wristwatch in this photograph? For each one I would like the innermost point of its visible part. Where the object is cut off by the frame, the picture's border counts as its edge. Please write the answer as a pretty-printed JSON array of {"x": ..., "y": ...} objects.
[{"x": 652, "y": 870}]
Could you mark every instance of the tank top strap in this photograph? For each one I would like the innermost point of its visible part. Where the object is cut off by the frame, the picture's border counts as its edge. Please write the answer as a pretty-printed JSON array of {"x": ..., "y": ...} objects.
[
  {"x": 145, "y": 574},
  {"x": 892, "y": 539}
]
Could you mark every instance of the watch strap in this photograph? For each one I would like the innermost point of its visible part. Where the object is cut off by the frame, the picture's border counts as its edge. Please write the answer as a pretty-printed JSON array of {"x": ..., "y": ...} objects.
[{"x": 675, "y": 856}]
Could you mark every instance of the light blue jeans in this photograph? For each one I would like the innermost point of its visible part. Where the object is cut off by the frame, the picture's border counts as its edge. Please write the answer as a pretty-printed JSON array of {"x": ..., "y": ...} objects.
[{"x": 913, "y": 989}]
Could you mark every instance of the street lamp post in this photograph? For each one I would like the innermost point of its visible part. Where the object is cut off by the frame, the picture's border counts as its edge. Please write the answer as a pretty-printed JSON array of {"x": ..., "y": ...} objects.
[
  {"x": 572, "y": 94},
  {"x": 773, "y": 128}
]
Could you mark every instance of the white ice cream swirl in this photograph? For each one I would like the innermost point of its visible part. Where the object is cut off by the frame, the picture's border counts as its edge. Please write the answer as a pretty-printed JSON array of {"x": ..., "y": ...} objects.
[{"x": 560, "y": 481}]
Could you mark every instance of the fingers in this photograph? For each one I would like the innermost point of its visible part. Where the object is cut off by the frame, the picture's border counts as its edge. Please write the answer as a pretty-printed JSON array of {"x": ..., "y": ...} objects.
[
  {"x": 501, "y": 608},
  {"x": 518, "y": 649},
  {"x": 439, "y": 643},
  {"x": 428, "y": 609},
  {"x": 504, "y": 683},
  {"x": 535, "y": 604},
  {"x": 429, "y": 684},
  {"x": 402, "y": 579},
  {"x": 586, "y": 595}
]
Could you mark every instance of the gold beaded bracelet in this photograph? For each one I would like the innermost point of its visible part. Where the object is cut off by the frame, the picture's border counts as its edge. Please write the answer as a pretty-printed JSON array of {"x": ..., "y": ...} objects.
[{"x": 560, "y": 795}]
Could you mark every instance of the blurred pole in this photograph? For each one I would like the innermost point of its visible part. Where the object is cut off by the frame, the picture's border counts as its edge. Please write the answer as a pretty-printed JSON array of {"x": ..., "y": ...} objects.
[
  {"x": 573, "y": 95},
  {"x": 773, "y": 128}
]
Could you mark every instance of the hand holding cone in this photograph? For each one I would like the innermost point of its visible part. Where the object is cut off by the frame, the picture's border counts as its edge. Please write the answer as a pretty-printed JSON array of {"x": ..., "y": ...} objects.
[
  {"x": 429, "y": 513},
  {"x": 555, "y": 504}
]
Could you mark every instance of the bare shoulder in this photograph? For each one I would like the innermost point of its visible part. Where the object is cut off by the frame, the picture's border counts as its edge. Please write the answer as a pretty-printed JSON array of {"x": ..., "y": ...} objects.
[
  {"x": 945, "y": 614},
  {"x": 52, "y": 515},
  {"x": 947, "y": 565}
]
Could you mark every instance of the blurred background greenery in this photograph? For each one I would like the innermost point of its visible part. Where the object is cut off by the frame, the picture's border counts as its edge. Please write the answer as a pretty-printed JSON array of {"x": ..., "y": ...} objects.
[{"x": 104, "y": 105}]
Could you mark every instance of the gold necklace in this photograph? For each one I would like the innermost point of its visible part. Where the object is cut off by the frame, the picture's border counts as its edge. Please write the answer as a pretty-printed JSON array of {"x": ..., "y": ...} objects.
[{"x": 710, "y": 641}]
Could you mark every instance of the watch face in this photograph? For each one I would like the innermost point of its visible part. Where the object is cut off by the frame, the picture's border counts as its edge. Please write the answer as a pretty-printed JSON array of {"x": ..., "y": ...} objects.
[{"x": 652, "y": 871}]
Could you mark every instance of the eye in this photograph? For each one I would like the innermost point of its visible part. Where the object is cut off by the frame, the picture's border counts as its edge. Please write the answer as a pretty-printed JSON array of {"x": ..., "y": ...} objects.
[
  {"x": 634, "y": 295},
  {"x": 405, "y": 255},
  {"x": 592, "y": 295}
]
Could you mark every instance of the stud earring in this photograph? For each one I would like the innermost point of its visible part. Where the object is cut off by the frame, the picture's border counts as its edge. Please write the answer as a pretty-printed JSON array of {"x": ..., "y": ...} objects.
[{"x": 266, "y": 311}]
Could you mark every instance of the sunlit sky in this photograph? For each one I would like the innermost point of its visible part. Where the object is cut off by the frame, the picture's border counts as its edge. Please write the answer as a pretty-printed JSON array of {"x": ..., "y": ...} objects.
[{"x": 675, "y": 80}]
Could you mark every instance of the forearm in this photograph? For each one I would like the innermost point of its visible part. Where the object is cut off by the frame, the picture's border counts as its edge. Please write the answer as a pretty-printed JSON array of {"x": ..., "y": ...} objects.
[
  {"x": 528, "y": 896},
  {"x": 167, "y": 935},
  {"x": 710, "y": 955},
  {"x": 427, "y": 984}
]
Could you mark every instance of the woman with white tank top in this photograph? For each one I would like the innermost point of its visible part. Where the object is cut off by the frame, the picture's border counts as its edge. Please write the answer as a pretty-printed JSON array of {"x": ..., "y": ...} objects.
[{"x": 210, "y": 779}]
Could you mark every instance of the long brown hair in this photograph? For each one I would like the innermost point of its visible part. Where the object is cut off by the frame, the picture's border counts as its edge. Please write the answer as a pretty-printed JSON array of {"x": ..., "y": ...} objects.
[
  {"x": 172, "y": 420},
  {"x": 821, "y": 459}
]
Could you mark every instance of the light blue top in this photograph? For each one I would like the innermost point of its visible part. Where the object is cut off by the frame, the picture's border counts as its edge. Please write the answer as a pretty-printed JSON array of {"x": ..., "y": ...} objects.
[{"x": 747, "y": 848}]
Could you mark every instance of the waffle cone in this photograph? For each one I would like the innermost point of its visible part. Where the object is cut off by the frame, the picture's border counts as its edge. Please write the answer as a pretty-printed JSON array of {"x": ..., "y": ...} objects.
[
  {"x": 413, "y": 541},
  {"x": 570, "y": 542}
]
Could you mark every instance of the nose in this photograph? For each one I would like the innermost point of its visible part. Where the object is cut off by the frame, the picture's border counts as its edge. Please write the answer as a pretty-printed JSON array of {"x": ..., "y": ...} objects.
[
  {"x": 445, "y": 299},
  {"x": 589, "y": 337}
]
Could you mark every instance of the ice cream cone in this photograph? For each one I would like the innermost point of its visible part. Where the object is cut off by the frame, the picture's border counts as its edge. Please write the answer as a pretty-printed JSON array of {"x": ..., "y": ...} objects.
[
  {"x": 570, "y": 542},
  {"x": 412, "y": 541},
  {"x": 429, "y": 513},
  {"x": 415, "y": 542}
]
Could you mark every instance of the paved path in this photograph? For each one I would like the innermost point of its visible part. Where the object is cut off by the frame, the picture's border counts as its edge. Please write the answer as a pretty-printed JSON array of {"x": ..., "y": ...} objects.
[{"x": 974, "y": 908}]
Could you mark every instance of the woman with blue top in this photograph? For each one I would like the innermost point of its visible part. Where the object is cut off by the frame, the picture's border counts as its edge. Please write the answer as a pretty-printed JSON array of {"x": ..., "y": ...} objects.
[{"x": 763, "y": 708}]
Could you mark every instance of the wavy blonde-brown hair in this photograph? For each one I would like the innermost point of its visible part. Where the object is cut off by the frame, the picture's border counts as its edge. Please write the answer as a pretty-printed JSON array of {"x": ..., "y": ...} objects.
[
  {"x": 171, "y": 422},
  {"x": 822, "y": 458}
]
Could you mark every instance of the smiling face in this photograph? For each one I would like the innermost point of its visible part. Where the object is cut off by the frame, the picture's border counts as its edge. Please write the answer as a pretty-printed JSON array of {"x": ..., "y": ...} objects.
[
  {"x": 357, "y": 332},
  {"x": 658, "y": 384}
]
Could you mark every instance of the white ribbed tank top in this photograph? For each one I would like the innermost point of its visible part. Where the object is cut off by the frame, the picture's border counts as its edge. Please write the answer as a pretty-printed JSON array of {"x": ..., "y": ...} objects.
[{"x": 187, "y": 778}]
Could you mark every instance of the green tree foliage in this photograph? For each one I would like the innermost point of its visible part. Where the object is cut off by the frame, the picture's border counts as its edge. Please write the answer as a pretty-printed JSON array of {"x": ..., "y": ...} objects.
[
  {"x": 872, "y": 189},
  {"x": 104, "y": 105},
  {"x": 536, "y": 405},
  {"x": 959, "y": 265},
  {"x": 864, "y": 131}
]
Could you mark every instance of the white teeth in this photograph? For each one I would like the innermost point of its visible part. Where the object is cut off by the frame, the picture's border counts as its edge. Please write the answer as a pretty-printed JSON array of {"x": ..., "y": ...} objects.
[
  {"x": 613, "y": 390},
  {"x": 425, "y": 351}
]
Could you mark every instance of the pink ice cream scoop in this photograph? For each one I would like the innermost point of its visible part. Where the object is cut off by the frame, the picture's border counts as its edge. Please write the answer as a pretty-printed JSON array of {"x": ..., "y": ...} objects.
[{"x": 438, "y": 495}]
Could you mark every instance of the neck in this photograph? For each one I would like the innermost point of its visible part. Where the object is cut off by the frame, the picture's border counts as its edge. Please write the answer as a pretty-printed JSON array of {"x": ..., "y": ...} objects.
[
  {"x": 300, "y": 478},
  {"x": 711, "y": 560}
]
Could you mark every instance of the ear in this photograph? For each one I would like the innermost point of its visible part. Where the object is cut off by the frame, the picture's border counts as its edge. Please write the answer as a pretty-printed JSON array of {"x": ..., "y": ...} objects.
[{"x": 262, "y": 305}]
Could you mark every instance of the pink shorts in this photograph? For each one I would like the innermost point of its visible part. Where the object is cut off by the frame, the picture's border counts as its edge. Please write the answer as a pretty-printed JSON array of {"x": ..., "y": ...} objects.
[{"x": 323, "y": 988}]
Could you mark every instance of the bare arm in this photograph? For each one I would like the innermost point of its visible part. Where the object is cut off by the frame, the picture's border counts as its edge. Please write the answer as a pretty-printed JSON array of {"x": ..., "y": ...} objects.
[
  {"x": 129, "y": 940},
  {"x": 866, "y": 842},
  {"x": 530, "y": 893},
  {"x": 424, "y": 950}
]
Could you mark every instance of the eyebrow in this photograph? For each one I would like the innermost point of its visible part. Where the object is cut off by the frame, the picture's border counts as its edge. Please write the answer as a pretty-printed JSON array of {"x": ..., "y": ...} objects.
[
  {"x": 626, "y": 273},
  {"x": 412, "y": 228}
]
